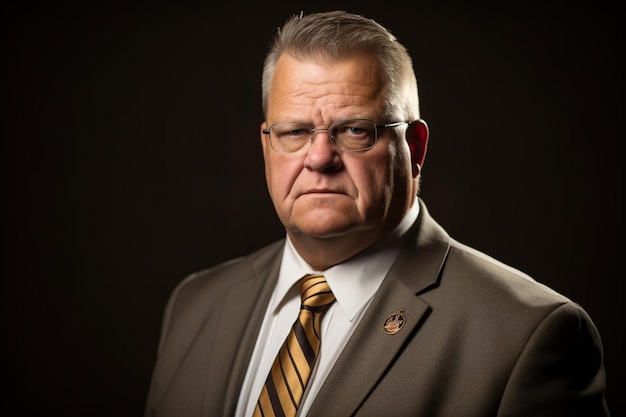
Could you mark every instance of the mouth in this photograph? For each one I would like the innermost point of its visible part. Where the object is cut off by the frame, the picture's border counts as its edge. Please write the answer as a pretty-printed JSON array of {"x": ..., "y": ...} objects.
[{"x": 321, "y": 191}]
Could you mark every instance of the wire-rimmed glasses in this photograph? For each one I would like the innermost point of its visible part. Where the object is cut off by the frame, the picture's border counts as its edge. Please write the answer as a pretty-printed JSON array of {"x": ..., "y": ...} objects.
[{"x": 349, "y": 135}]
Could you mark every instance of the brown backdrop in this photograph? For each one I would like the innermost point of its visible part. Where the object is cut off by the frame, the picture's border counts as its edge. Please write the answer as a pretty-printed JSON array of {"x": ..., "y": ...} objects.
[{"x": 131, "y": 141}]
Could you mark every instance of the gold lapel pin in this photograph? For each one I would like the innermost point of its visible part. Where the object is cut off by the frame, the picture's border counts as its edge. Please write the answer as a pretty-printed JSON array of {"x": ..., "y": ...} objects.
[{"x": 394, "y": 322}]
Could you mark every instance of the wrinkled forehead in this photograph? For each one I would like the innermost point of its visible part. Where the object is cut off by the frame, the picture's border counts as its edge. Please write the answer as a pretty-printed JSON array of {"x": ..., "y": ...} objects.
[
  {"x": 358, "y": 76},
  {"x": 347, "y": 87}
]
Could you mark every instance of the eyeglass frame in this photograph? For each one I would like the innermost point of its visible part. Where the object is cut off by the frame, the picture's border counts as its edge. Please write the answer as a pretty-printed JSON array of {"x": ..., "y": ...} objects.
[{"x": 317, "y": 129}]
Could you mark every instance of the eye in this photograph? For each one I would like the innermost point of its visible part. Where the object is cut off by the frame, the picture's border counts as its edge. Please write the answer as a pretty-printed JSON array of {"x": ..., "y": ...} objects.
[
  {"x": 291, "y": 131},
  {"x": 297, "y": 132},
  {"x": 356, "y": 134},
  {"x": 354, "y": 130}
]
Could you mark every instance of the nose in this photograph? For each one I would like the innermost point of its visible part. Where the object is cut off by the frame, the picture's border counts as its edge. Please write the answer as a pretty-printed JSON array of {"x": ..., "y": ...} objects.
[{"x": 322, "y": 154}]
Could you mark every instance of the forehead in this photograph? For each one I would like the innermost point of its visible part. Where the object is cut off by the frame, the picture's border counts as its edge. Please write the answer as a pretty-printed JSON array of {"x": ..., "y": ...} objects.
[{"x": 326, "y": 89}]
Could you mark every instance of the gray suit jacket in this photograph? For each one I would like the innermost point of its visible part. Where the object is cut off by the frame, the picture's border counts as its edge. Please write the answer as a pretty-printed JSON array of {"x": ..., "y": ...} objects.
[{"x": 481, "y": 339}]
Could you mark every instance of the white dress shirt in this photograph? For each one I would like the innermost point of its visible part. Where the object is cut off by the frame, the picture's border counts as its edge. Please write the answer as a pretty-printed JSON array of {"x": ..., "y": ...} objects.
[{"x": 353, "y": 283}]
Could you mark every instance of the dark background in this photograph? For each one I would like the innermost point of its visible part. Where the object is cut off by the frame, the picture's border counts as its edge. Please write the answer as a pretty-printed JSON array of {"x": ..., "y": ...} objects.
[{"x": 131, "y": 144}]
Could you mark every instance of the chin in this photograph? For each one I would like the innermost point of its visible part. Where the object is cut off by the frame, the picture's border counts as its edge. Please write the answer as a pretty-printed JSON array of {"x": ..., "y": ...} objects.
[
  {"x": 327, "y": 227},
  {"x": 322, "y": 228}
]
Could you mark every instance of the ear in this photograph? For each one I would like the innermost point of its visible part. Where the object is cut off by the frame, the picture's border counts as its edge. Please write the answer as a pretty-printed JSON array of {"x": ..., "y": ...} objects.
[
  {"x": 264, "y": 136},
  {"x": 417, "y": 138}
]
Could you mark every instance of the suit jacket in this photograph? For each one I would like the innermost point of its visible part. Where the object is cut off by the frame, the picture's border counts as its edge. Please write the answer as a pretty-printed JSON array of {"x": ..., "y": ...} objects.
[{"x": 479, "y": 339}]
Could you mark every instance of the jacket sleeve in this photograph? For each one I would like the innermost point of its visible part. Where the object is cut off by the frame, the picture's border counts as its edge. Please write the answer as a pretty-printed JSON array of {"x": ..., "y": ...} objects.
[{"x": 560, "y": 371}]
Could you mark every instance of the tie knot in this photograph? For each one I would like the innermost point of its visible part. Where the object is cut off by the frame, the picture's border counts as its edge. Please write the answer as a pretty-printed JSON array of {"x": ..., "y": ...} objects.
[{"x": 315, "y": 292}]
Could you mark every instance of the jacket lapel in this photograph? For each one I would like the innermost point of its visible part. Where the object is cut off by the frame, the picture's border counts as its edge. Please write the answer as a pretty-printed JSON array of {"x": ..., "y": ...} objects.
[
  {"x": 265, "y": 271},
  {"x": 189, "y": 381},
  {"x": 415, "y": 271}
]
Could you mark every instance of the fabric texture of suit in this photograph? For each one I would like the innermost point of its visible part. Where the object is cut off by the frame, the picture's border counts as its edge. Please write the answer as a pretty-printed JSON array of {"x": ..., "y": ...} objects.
[{"x": 481, "y": 339}]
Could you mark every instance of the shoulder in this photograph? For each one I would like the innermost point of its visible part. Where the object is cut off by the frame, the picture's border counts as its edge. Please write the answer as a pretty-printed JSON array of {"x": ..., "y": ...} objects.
[
  {"x": 470, "y": 269},
  {"x": 441, "y": 267},
  {"x": 206, "y": 291},
  {"x": 230, "y": 272},
  {"x": 475, "y": 289}
]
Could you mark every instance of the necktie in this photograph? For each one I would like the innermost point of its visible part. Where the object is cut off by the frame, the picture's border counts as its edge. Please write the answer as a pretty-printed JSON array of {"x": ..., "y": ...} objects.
[{"x": 292, "y": 367}]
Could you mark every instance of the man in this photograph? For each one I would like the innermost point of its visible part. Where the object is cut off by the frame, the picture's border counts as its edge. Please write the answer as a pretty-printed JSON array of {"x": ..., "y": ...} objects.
[{"x": 412, "y": 322}]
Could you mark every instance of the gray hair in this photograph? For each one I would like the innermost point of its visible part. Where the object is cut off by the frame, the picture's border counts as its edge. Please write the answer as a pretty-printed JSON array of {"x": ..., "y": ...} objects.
[{"x": 336, "y": 35}]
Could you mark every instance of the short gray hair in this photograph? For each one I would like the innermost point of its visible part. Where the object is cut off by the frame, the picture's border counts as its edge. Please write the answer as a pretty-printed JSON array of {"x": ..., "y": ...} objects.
[{"x": 337, "y": 35}]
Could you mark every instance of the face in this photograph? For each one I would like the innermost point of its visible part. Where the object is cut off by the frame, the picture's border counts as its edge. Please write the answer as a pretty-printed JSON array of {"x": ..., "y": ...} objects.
[{"x": 322, "y": 192}]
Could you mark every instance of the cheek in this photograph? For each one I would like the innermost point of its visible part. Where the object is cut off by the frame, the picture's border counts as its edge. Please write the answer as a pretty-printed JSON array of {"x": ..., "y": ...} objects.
[
  {"x": 372, "y": 178},
  {"x": 385, "y": 175},
  {"x": 280, "y": 174}
]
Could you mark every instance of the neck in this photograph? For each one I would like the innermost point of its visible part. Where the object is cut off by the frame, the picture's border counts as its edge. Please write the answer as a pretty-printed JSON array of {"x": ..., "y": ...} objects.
[{"x": 323, "y": 253}]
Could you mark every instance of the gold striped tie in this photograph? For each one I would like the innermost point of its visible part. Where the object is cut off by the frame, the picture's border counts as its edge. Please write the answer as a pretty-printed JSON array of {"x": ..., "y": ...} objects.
[{"x": 292, "y": 367}]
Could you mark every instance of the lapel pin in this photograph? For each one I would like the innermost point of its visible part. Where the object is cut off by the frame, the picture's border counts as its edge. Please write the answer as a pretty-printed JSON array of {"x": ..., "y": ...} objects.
[{"x": 394, "y": 322}]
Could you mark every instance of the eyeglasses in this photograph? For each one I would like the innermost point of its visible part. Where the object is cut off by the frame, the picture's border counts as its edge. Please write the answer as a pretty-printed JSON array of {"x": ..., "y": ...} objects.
[{"x": 349, "y": 135}]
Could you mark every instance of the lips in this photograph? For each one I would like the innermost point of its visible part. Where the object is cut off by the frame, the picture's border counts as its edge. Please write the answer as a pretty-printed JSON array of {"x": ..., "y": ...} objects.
[
  {"x": 322, "y": 191},
  {"x": 325, "y": 190}
]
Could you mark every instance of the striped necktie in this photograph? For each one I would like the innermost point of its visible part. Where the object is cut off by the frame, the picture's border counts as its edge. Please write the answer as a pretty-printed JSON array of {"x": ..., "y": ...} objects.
[{"x": 292, "y": 367}]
